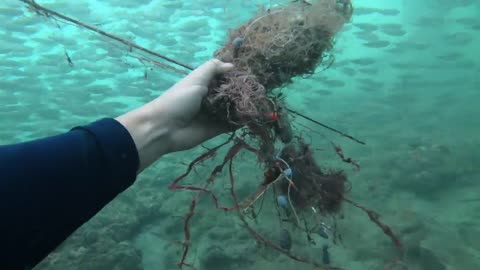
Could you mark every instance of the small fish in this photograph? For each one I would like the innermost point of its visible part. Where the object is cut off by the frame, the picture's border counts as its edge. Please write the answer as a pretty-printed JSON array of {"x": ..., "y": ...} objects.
[
  {"x": 377, "y": 44},
  {"x": 334, "y": 83},
  {"x": 393, "y": 29},
  {"x": 389, "y": 12},
  {"x": 367, "y": 36},
  {"x": 458, "y": 38},
  {"x": 365, "y": 11},
  {"x": 366, "y": 26},
  {"x": 363, "y": 61},
  {"x": 467, "y": 21},
  {"x": 69, "y": 60},
  {"x": 325, "y": 255},
  {"x": 285, "y": 240},
  {"x": 369, "y": 71},
  {"x": 323, "y": 92}
]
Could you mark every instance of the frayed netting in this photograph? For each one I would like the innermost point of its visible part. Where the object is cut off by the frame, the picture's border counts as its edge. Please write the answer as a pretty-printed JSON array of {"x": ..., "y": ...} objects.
[{"x": 268, "y": 51}]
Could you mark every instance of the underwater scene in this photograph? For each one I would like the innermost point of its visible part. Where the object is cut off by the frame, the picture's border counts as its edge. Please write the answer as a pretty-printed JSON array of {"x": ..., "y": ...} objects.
[{"x": 354, "y": 129}]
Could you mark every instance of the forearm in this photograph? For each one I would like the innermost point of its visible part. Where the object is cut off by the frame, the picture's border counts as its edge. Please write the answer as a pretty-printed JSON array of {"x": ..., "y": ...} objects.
[
  {"x": 50, "y": 187},
  {"x": 150, "y": 132}
]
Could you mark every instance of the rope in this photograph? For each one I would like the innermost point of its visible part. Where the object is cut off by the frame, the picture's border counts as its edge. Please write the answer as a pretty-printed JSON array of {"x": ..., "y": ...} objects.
[{"x": 48, "y": 13}]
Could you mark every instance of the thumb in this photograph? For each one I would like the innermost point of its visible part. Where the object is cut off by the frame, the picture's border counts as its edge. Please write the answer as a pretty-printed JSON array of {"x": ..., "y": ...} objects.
[{"x": 206, "y": 72}]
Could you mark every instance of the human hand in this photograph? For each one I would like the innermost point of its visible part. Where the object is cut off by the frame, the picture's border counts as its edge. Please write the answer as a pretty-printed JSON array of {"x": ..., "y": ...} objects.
[
  {"x": 181, "y": 106},
  {"x": 173, "y": 121}
]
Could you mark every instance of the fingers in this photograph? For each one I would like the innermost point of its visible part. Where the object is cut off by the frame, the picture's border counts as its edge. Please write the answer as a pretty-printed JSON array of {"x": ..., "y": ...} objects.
[
  {"x": 195, "y": 134},
  {"x": 207, "y": 71}
]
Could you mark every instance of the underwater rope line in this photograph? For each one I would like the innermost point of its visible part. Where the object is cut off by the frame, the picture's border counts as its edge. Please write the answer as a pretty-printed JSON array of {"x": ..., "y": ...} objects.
[
  {"x": 327, "y": 127},
  {"x": 47, "y": 12},
  {"x": 40, "y": 10}
]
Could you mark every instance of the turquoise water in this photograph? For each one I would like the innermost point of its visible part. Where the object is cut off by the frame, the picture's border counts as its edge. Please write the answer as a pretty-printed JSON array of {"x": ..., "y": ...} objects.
[{"x": 405, "y": 80}]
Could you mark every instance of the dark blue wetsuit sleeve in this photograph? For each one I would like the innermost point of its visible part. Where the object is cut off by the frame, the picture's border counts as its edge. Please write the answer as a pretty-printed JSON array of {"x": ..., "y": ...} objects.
[{"x": 50, "y": 187}]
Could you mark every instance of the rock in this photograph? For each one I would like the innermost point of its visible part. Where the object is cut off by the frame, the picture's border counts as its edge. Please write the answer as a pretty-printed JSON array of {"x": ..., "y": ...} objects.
[{"x": 217, "y": 257}]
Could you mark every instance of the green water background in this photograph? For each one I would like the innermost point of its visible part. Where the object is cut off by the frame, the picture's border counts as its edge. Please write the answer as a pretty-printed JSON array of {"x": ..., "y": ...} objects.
[{"x": 406, "y": 80}]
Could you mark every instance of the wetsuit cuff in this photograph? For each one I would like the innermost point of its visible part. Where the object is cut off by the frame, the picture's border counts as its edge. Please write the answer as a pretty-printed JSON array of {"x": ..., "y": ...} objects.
[{"x": 119, "y": 150}]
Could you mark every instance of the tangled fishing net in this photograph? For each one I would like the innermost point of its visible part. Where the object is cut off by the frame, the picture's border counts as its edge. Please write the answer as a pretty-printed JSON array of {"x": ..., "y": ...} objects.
[{"x": 268, "y": 51}]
